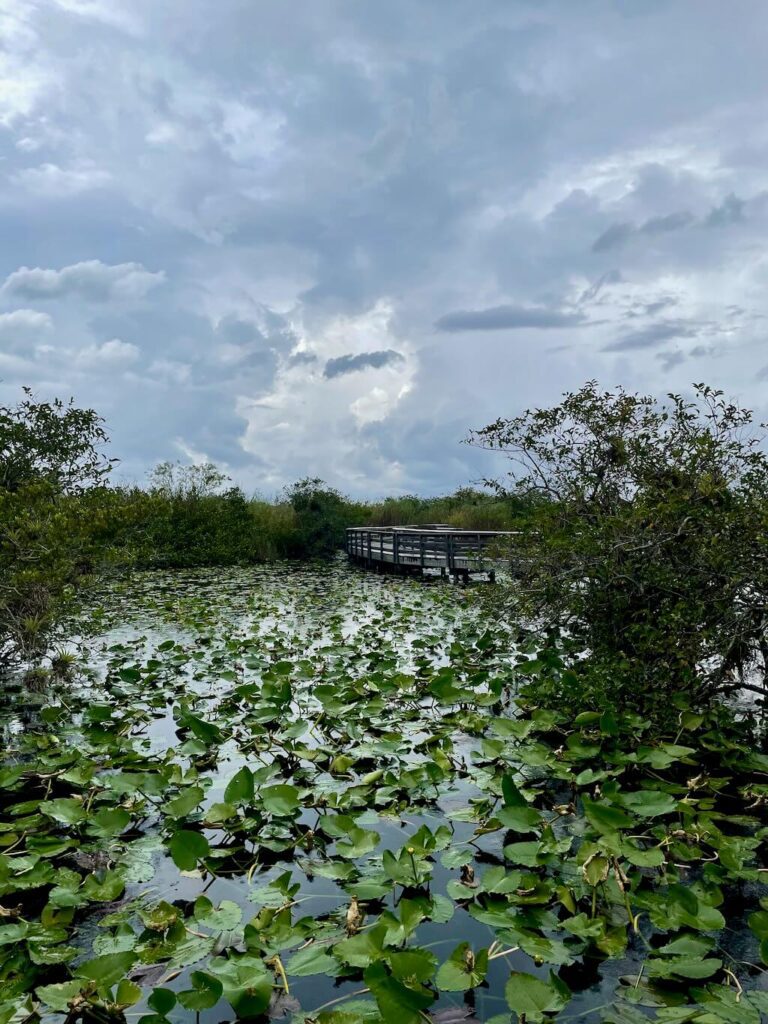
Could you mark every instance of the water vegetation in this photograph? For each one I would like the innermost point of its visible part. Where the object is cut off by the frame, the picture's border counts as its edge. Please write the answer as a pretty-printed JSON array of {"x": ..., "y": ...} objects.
[
  {"x": 295, "y": 791},
  {"x": 63, "y": 522},
  {"x": 315, "y": 794}
]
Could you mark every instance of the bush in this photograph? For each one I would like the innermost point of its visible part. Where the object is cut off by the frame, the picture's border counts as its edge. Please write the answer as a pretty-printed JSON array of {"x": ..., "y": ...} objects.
[
  {"x": 467, "y": 509},
  {"x": 189, "y": 517},
  {"x": 322, "y": 517},
  {"x": 647, "y": 547},
  {"x": 52, "y": 516}
]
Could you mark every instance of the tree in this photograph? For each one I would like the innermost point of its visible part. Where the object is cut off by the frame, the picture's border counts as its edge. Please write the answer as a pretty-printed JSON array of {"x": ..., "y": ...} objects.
[
  {"x": 174, "y": 480},
  {"x": 51, "y": 472},
  {"x": 188, "y": 518},
  {"x": 51, "y": 442},
  {"x": 322, "y": 516},
  {"x": 647, "y": 543}
]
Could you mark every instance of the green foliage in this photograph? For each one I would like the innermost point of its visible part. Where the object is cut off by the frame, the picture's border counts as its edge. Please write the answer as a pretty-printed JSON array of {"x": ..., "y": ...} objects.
[
  {"x": 467, "y": 509},
  {"x": 384, "y": 740},
  {"x": 53, "y": 516},
  {"x": 60, "y": 523},
  {"x": 172, "y": 530},
  {"x": 54, "y": 442},
  {"x": 188, "y": 517},
  {"x": 647, "y": 539},
  {"x": 322, "y": 516}
]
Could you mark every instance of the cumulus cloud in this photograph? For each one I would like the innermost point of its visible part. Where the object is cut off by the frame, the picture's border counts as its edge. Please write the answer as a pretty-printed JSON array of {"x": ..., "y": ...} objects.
[
  {"x": 50, "y": 179},
  {"x": 91, "y": 280},
  {"x": 299, "y": 424},
  {"x": 500, "y": 318},
  {"x": 613, "y": 237},
  {"x": 113, "y": 354},
  {"x": 670, "y": 222},
  {"x": 316, "y": 191},
  {"x": 617, "y": 235},
  {"x": 22, "y": 323},
  {"x": 730, "y": 211},
  {"x": 111, "y": 12},
  {"x": 604, "y": 281},
  {"x": 671, "y": 359},
  {"x": 362, "y": 361}
]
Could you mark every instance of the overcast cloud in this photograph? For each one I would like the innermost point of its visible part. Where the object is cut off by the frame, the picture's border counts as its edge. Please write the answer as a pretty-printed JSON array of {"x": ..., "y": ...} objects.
[{"x": 325, "y": 239}]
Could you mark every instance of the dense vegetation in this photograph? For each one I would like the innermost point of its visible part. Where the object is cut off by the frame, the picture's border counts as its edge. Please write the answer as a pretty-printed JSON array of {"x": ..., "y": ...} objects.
[
  {"x": 304, "y": 792},
  {"x": 188, "y": 515},
  {"x": 61, "y": 524},
  {"x": 646, "y": 541},
  {"x": 52, "y": 527},
  {"x": 315, "y": 794}
]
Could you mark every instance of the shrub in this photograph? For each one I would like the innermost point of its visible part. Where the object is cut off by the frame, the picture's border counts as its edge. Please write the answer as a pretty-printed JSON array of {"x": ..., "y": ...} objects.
[
  {"x": 52, "y": 514},
  {"x": 648, "y": 543}
]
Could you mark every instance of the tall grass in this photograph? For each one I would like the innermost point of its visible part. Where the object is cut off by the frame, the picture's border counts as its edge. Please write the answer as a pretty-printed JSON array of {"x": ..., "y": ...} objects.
[{"x": 467, "y": 509}]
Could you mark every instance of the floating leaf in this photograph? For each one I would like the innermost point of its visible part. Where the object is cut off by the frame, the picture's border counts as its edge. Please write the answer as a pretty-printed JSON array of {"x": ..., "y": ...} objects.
[
  {"x": 128, "y": 993},
  {"x": 59, "y": 996},
  {"x": 162, "y": 1000},
  {"x": 187, "y": 848},
  {"x": 65, "y": 810},
  {"x": 313, "y": 959},
  {"x": 106, "y": 970},
  {"x": 185, "y": 802},
  {"x": 398, "y": 1003},
  {"x": 109, "y": 822},
  {"x": 280, "y": 799},
  {"x": 648, "y": 803},
  {"x": 532, "y": 997},
  {"x": 246, "y": 983},
  {"x": 223, "y": 918},
  {"x": 205, "y": 992},
  {"x": 463, "y": 969},
  {"x": 240, "y": 788},
  {"x": 604, "y": 817}
]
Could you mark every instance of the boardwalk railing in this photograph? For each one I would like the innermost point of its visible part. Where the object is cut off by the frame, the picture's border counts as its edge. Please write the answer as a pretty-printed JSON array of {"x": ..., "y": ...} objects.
[{"x": 410, "y": 548}]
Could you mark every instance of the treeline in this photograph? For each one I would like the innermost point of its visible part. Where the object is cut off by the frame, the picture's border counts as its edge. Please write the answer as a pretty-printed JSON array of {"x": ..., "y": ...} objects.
[
  {"x": 640, "y": 550},
  {"x": 191, "y": 515},
  {"x": 62, "y": 522}
]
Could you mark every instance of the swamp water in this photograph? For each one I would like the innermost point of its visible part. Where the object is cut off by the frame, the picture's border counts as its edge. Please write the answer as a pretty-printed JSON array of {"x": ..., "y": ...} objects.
[{"x": 302, "y": 793}]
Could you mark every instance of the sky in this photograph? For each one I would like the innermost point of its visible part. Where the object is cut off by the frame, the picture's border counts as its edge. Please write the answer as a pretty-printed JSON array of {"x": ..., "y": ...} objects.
[{"x": 327, "y": 238}]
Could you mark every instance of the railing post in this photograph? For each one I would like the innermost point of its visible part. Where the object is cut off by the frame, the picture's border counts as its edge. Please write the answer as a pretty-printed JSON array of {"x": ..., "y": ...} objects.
[{"x": 395, "y": 548}]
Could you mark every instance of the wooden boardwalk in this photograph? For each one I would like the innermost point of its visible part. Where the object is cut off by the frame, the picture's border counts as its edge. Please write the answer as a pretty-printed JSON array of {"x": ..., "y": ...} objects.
[{"x": 415, "y": 549}]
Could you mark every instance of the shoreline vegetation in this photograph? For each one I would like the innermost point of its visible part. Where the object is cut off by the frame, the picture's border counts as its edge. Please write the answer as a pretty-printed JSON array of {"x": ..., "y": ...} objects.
[
  {"x": 293, "y": 790},
  {"x": 62, "y": 524}
]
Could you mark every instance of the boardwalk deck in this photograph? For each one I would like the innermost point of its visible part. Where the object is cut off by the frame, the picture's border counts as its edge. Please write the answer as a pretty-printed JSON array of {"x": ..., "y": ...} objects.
[{"x": 416, "y": 549}]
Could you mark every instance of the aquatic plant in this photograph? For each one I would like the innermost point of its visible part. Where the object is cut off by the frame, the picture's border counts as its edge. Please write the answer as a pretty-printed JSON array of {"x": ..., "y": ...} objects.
[{"x": 314, "y": 794}]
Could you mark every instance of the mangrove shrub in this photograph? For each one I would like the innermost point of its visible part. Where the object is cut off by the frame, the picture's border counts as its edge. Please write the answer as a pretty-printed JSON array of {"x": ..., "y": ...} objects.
[
  {"x": 51, "y": 515},
  {"x": 646, "y": 545}
]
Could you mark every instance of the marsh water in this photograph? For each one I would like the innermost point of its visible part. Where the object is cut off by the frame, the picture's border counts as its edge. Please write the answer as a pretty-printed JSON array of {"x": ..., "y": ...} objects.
[{"x": 303, "y": 720}]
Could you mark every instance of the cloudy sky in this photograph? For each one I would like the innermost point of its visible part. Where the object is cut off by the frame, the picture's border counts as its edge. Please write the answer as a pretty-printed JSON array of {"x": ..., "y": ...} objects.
[{"x": 326, "y": 237}]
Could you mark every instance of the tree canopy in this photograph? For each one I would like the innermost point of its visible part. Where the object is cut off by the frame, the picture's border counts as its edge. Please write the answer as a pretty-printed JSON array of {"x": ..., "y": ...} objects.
[
  {"x": 51, "y": 466},
  {"x": 55, "y": 442},
  {"x": 647, "y": 547}
]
